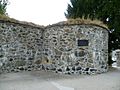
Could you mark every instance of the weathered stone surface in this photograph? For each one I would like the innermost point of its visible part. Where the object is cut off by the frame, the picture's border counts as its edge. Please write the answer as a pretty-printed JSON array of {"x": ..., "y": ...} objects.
[
  {"x": 25, "y": 48},
  {"x": 81, "y": 59},
  {"x": 116, "y": 55},
  {"x": 18, "y": 46}
]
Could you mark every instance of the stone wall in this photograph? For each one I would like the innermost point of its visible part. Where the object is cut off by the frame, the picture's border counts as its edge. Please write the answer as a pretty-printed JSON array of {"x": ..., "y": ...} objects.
[
  {"x": 20, "y": 46},
  {"x": 117, "y": 57},
  {"x": 62, "y": 49},
  {"x": 69, "y": 49}
]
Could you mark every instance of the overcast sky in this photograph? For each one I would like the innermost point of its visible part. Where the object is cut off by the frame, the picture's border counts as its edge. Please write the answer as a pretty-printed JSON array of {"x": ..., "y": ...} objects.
[{"x": 42, "y": 12}]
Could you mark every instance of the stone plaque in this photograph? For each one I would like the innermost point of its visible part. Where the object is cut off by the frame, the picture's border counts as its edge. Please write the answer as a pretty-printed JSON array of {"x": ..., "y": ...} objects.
[{"x": 83, "y": 42}]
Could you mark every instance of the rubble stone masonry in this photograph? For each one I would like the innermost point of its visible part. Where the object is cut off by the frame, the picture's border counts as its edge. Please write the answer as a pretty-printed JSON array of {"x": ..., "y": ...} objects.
[{"x": 68, "y": 49}]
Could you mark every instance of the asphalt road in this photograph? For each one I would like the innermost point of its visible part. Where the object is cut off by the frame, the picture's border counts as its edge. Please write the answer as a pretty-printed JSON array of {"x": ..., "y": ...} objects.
[{"x": 47, "y": 80}]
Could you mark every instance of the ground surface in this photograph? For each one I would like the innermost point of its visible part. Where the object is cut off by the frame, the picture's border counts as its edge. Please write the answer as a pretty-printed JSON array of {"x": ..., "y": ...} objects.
[{"x": 42, "y": 80}]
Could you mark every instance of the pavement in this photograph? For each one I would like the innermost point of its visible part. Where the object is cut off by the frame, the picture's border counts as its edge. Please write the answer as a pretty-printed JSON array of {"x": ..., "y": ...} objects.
[{"x": 47, "y": 80}]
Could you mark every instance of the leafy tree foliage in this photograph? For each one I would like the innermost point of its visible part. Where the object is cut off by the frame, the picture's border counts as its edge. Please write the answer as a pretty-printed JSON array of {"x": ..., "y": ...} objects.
[
  {"x": 3, "y": 5},
  {"x": 107, "y": 11}
]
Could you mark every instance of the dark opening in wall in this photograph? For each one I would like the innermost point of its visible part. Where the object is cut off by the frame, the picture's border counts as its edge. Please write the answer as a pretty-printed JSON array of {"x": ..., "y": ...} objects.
[{"x": 83, "y": 42}]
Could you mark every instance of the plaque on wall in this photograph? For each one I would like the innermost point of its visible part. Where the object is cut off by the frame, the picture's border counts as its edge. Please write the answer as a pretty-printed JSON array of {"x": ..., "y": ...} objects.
[{"x": 83, "y": 42}]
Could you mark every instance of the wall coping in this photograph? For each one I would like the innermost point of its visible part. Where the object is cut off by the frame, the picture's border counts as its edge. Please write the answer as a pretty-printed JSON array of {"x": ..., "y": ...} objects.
[
  {"x": 6, "y": 19},
  {"x": 80, "y": 22}
]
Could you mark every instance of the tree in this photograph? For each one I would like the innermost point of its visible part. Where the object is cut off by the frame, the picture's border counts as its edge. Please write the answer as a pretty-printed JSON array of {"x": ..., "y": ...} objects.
[
  {"x": 78, "y": 8},
  {"x": 3, "y": 5},
  {"x": 107, "y": 11}
]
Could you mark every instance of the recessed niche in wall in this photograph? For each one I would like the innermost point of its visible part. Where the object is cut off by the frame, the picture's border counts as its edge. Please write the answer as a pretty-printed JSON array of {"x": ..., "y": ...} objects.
[
  {"x": 83, "y": 42},
  {"x": 79, "y": 53}
]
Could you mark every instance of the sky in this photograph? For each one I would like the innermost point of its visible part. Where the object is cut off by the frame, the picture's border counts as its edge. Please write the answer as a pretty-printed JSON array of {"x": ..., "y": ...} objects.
[{"x": 43, "y": 12}]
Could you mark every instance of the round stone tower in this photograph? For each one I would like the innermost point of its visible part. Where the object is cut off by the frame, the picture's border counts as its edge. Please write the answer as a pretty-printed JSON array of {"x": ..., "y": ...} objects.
[{"x": 77, "y": 47}]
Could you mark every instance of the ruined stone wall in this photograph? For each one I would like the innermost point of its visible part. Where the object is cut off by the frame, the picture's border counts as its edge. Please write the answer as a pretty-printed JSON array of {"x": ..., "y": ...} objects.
[
  {"x": 76, "y": 49},
  {"x": 69, "y": 49},
  {"x": 20, "y": 46}
]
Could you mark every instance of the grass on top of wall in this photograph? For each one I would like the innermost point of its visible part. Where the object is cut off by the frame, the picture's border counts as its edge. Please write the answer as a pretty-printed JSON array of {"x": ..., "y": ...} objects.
[
  {"x": 12, "y": 20},
  {"x": 6, "y": 18},
  {"x": 84, "y": 21}
]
